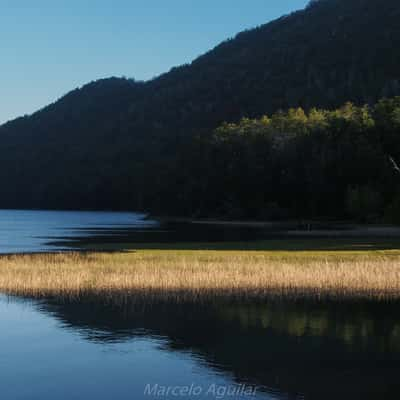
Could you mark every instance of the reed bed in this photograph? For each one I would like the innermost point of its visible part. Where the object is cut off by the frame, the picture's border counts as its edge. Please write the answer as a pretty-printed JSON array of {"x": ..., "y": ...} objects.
[{"x": 203, "y": 275}]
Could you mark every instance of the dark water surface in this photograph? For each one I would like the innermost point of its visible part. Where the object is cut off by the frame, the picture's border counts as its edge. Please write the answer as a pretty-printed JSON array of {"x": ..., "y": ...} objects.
[
  {"x": 33, "y": 231},
  {"x": 30, "y": 231},
  {"x": 93, "y": 349}
]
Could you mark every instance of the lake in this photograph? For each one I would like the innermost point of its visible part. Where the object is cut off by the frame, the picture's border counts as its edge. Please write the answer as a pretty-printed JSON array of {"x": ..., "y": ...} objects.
[
  {"x": 35, "y": 231},
  {"x": 94, "y": 350},
  {"x": 30, "y": 231}
]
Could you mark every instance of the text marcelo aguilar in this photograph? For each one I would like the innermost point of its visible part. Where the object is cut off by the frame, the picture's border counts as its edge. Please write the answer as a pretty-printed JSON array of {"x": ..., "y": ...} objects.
[{"x": 213, "y": 391}]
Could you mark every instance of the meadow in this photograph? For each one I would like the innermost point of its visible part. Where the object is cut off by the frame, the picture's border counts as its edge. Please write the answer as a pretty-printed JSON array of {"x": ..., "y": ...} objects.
[{"x": 205, "y": 274}]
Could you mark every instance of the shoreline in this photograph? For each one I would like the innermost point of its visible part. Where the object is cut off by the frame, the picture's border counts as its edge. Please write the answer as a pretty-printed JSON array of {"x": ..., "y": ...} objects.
[
  {"x": 128, "y": 242},
  {"x": 300, "y": 227}
]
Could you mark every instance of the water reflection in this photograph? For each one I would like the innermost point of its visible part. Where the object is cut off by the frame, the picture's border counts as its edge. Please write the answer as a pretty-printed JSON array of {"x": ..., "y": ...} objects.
[{"x": 303, "y": 350}]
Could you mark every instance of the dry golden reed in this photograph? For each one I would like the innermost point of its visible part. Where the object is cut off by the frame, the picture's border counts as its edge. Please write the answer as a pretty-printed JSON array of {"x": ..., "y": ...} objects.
[{"x": 204, "y": 274}]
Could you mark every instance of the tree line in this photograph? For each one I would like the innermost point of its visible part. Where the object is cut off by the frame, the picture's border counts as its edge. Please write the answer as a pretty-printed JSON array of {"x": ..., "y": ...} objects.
[{"x": 319, "y": 163}]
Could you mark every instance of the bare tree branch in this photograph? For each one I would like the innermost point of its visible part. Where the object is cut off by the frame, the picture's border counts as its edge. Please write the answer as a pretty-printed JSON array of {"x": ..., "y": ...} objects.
[{"x": 395, "y": 166}]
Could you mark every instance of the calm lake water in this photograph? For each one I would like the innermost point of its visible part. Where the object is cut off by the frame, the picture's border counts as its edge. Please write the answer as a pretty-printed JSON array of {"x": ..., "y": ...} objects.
[
  {"x": 42, "y": 231},
  {"x": 95, "y": 350},
  {"x": 36, "y": 231},
  {"x": 28, "y": 231}
]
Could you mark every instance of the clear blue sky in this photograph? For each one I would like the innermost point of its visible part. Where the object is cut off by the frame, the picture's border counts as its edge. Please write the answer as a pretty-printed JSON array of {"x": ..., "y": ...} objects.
[{"x": 48, "y": 47}]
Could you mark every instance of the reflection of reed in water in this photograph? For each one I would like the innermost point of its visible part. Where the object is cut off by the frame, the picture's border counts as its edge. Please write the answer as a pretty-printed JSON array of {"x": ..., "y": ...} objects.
[
  {"x": 355, "y": 324},
  {"x": 321, "y": 350},
  {"x": 198, "y": 276}
]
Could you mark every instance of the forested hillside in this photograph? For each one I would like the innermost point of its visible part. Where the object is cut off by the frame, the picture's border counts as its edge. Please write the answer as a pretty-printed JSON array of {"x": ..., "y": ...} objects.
[
  {"x": 316, "y": 164},
  {"x": 121, "y": 144}
]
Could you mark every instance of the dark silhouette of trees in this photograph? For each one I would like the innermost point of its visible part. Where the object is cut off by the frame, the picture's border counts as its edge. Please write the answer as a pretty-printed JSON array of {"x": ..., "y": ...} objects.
[
  {"x": 312, "y": 164},
  {"x": 156, "y": 145}
]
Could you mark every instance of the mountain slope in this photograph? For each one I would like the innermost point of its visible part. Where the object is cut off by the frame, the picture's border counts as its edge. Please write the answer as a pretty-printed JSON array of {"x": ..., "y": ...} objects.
[{"x": 114, "y": 143}]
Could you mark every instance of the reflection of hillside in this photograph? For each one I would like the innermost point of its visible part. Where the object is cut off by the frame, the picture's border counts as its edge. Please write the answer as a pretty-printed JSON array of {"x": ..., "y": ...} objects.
[{"x": 332, "y": 351}]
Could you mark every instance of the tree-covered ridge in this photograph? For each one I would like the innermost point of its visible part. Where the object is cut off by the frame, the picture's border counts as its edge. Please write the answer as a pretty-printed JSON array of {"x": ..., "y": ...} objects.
[
  {"x": 315, "y": 164},
  {"x": 118, "y": 144}
]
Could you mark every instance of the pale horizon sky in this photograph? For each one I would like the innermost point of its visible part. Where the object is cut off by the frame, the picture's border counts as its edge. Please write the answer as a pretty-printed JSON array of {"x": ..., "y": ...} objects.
[{"x": 49, "y": 47}]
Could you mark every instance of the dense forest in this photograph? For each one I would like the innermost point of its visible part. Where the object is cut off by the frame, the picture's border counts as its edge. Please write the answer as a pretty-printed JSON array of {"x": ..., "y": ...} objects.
[
  {"x": 123, "y": 144},
  {"x": 315, "y": 164}
]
